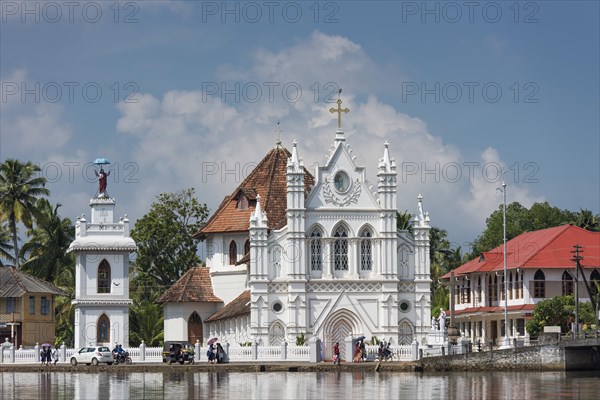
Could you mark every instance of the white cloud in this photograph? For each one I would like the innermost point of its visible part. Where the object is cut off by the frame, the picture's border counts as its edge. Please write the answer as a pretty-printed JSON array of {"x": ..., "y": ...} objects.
[
  {"x": 27, "y": 125},
  {"x": 187, "y": 135}
]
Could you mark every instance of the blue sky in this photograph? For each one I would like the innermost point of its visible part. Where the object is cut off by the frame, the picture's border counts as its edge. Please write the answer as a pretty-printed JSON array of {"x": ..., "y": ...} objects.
[{"x": 458, "y": 92}]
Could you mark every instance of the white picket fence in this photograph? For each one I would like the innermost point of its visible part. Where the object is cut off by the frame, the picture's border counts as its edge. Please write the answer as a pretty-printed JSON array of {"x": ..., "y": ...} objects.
[
  {"x": 154, "y": 354},
  {"x": 236, "y": 353}
]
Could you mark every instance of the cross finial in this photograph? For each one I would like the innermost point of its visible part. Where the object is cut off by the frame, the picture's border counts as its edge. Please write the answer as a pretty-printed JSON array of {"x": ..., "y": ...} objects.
[
  {"x": 278, "y": 132},
  {"x": 339, "y": 110}
]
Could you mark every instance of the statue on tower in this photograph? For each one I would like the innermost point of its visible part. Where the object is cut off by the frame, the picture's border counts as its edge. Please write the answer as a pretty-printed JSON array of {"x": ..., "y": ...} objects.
[{"x": 102, "y": 176}]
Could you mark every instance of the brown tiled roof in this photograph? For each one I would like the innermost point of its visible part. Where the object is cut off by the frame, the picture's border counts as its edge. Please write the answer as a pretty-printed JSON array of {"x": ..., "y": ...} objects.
[
  {"x": 195, "y": 285},
  {"x": 244, "y": 260},
  {"x": 15, "y": 283},
  {"x": 238, "y": 306},
  {"x": 268, "y": 179}
]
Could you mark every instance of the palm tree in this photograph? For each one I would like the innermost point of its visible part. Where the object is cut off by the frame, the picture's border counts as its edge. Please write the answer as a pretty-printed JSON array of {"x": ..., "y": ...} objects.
[
  {"x": 404, "y": 221},
  {"x": 65, "y": 311},
  {"x": 587, "y": 220},
  {"x": 6, "y": 246},
  {"x": 46, "y": 249},
  {"x": 19, "y": 189}
]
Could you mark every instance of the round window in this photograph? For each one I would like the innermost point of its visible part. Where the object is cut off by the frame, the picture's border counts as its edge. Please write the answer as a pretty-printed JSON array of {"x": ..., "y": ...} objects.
[
  {"x": 341, "y": 181},
  {"x": 277, "y": 306},
  {"x": 404, "y": 306}
]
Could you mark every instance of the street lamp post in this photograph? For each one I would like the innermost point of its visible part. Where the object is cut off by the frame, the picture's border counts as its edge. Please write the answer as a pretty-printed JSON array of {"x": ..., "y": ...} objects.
[{"x": 505, "y": 339}]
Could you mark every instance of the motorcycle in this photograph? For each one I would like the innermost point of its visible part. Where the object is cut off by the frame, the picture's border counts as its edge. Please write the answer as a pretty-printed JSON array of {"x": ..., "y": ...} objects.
[{"x": 122, "y": 358}]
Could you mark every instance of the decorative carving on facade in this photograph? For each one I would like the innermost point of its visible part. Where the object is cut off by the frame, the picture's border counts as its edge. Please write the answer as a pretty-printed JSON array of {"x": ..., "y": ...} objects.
[{"x": 341, "y": 201}]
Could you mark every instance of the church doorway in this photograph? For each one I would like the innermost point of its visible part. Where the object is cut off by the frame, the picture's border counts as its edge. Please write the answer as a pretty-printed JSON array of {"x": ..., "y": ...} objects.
[
  {"x": 103, "y": 330},
  {"x": 405, "y": 333},
  {"x": 337, "y": 328},
  {"x": 195, "y": 328}
]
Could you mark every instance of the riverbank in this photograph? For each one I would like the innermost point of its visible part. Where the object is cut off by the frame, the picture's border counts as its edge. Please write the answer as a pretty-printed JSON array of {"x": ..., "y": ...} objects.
[{"x": 229, "y": 367}]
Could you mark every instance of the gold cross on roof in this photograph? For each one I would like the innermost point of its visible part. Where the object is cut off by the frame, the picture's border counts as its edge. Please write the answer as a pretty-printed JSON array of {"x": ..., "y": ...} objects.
[{"x": 339, "y": 111}]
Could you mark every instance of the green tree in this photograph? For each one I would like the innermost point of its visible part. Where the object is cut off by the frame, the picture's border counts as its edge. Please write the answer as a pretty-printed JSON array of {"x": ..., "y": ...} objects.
[
  {"x": 19, "y": 190},
  {"x": 147, "y": 318},
  {"x": 404, "y": 221},
  {"x": 519, "y": 219},
  {"x": 587, "y": 220},
  {"x": 65, "y": 311},
  {"x": 46, "y": 251},
  {"x": 166, "y": 248},
  {"x": 558, "y": 311},
  {"x": 6, "y": 246}
]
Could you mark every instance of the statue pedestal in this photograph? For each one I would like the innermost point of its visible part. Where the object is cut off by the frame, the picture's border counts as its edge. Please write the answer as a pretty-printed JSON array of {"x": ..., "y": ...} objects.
[{"x": 435, "y": 338}]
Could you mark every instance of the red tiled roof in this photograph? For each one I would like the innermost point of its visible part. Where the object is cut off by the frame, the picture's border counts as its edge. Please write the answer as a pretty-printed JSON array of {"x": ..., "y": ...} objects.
[
  {"x": 546, "y": 248},
  {"x": 268, "y": 179},
  {"x": 238, "y": 306},
  {"x": 195, "y": 285},
  {"x": 493, "y": 310}
]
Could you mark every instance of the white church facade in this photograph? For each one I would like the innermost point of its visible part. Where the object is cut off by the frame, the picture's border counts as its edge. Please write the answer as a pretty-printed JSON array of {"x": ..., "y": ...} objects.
[
  {"x": 295, "y": 255},
  {"x": 102, "y": 247}
]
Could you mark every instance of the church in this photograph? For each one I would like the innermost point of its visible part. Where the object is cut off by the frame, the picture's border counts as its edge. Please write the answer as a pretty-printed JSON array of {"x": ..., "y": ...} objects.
[{"x": 291, "y": 255}]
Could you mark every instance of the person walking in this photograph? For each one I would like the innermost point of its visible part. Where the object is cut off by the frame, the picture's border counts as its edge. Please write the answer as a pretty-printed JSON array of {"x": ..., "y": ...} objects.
[
  {"x": 336, "y": 353},
  {"x": 55, "y": 354}
]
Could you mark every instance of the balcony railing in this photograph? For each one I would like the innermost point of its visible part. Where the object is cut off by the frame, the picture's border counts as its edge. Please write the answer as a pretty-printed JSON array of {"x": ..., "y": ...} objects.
[{"x": 10, "y": 317}]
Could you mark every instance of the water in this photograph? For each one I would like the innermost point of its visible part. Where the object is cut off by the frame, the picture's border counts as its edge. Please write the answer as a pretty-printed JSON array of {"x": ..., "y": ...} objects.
[{"x": 300, "y": 385}]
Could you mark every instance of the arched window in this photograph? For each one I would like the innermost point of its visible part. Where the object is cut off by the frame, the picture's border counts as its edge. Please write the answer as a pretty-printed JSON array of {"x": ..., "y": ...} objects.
[
  {"x": 232, "y": 253},
  {"x": 194, "y": 328},
  {"x": 366, "y": 257},
  {"x": 539, "y": 284},
  {"x": 104, "y": 277},
  {"x": 247, "y": 247},
  {"x": 316, "y": 250},
  {"x": 520, "y": 284},
  {"x": 567, "y": 283},
  {"x": 102, "y": 329},
  {"x": 340, "y": 249}
]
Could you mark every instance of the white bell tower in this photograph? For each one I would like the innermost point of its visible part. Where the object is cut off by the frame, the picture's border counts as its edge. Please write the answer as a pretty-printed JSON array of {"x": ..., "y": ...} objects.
[{"x": 102, "y": 249}]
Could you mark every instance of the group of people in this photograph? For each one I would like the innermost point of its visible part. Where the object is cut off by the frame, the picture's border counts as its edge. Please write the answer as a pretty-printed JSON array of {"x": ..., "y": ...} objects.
[
  {"x": 360, "y": 351},
  {"x": 384, "y": 352},
  {"x": 47, "y": 354},
  {"x": 215, "y": 353},
  {"x": 118, "y": 351}
]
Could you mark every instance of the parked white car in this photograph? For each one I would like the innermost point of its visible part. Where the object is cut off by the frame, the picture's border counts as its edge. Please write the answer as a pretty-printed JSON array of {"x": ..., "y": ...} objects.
[{"x": 92, "y": 355}]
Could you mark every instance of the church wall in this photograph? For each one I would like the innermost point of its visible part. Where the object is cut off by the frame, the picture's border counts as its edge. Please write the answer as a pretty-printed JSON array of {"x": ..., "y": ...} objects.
[
  {"x": 228, "y": 280},
  {"x": 86, "y": 323},
  {"x": 178, "y": 314}
]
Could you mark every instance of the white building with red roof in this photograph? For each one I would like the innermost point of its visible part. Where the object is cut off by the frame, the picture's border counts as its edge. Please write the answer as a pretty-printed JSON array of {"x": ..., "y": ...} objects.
[
  {"x": 539, "y": 266},
  {"x": 294, "y": 254}
]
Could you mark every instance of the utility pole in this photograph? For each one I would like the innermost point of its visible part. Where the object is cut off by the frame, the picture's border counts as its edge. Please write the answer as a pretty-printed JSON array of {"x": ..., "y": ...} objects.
[{"x": 577, "y": 258}]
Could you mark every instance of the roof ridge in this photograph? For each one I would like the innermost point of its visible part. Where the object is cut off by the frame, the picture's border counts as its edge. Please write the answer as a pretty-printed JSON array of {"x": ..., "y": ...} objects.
[
  {"x": 271, "y": 176},
  {"x": 223, "y": 204}
]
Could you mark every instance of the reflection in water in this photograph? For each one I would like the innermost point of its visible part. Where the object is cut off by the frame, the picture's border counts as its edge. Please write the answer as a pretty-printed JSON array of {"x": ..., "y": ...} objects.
[{"x": 298, "y": 385}]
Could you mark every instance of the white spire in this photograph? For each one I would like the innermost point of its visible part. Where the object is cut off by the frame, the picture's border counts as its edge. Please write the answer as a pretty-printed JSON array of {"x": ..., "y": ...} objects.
[
  {"x": 420, "y": 206},
  {"x": 258, "y": 218},
  {"x": 295, "y": 159}
]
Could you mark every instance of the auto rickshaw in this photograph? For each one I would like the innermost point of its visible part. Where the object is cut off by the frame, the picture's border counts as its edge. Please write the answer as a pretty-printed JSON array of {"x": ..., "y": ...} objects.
[{"x": 180, "y": 352}]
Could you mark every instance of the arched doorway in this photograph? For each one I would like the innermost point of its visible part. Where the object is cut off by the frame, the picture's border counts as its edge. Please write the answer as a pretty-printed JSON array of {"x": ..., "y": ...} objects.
[
  {"x": 103, "y": 330},
  {"x": 276, "y": 334},
  {"x": 405, "y": 332},
  {"x": 194, "y": 328},
  {"x": 336, "y": 328}
]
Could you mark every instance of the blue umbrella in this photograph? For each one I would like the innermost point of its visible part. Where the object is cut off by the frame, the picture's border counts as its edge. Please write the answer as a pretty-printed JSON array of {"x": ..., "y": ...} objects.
[
  {"x": 361, "y": 338},
  {"x": 101, "y": 161}
]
